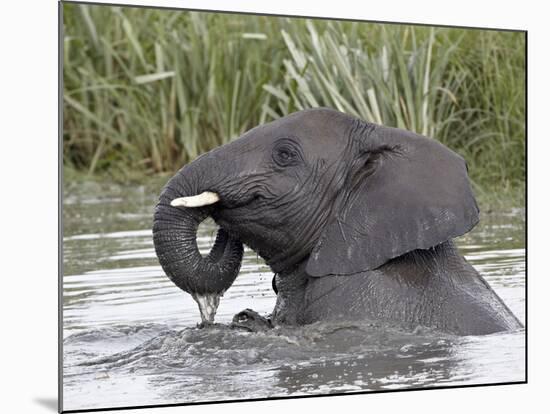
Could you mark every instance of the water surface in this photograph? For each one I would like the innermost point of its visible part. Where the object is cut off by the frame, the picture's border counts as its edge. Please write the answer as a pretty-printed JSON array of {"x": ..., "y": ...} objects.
[{"x": 130, "y": 335}]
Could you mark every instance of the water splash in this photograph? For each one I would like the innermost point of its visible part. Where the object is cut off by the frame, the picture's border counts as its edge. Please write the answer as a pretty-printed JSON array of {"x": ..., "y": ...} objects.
[
  {"x": 222, "y": 363},
  {"x": 208, "y": 305}
]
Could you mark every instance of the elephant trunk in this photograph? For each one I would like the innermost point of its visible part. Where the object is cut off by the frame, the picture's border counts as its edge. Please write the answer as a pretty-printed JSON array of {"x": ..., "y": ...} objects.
[{"x": 175, "y": 239}]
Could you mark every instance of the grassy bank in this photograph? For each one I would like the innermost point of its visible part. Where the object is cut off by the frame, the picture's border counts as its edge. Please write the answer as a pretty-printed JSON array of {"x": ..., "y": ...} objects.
[{"x": 147, "y": 91}]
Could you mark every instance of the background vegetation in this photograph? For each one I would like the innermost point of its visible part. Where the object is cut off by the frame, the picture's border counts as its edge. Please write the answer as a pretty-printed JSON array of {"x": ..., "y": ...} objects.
[{"x": 146, "y": 91}]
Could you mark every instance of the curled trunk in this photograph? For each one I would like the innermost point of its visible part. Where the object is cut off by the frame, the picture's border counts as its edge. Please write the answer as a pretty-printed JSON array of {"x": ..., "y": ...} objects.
[{"x": 175, "y": 239}]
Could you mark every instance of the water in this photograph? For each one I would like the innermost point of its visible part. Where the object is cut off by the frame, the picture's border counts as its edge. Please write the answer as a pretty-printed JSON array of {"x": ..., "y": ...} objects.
[{"x": 130, "y": 335}]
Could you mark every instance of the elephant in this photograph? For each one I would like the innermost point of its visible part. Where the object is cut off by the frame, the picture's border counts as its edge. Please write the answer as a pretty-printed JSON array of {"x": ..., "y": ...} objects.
[{"x": 355, "y": 219}]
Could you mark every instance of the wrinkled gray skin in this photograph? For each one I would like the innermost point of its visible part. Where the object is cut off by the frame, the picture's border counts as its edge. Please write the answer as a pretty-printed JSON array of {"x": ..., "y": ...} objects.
[{"x": 356, "y": 220}]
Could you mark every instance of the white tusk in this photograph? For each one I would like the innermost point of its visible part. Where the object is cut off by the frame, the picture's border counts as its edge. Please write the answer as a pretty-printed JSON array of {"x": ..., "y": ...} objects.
[{"x": 203, "y": 199}]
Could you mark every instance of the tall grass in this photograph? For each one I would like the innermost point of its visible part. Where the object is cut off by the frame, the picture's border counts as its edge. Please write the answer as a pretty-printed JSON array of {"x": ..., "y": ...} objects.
[
  {"x": 149, "y": 90},
  {"x": 406, "y": 82}
]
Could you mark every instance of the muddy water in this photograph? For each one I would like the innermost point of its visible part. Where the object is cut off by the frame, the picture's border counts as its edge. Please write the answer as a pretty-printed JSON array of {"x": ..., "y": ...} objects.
[{"x": 130, "y": 335}]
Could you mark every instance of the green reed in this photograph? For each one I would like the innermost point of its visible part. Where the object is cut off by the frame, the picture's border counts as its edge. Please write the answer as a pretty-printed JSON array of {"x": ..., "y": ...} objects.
[{"x": 146, "y": 91}]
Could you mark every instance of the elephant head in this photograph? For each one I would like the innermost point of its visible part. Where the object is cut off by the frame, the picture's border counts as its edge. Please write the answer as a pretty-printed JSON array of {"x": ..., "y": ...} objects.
[{"x": 317, "y": 187}]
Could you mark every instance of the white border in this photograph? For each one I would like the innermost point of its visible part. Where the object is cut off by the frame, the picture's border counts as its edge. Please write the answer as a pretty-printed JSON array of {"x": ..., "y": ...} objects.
[{"x": 28, "y": 148}]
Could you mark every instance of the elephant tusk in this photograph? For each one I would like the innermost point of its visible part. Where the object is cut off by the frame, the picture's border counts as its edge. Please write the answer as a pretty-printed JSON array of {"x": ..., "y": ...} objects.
[{"x": 203, "y": 199}]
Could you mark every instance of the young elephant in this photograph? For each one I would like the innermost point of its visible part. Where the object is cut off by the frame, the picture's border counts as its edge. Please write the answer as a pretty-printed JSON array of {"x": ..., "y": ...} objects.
[{"x": 356, "y": 220}]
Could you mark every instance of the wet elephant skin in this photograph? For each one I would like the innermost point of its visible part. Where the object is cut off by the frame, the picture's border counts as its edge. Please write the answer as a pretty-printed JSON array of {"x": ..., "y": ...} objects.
[{"x": 355, "y": 219}]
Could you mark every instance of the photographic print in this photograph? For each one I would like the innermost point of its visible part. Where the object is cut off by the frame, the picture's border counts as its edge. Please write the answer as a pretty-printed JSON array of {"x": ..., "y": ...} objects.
[{"x": 260, "y": 206}]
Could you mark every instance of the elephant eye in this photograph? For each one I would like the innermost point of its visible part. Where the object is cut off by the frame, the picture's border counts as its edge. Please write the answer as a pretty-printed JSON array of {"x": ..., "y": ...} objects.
[{"x": 285, "y": 154}]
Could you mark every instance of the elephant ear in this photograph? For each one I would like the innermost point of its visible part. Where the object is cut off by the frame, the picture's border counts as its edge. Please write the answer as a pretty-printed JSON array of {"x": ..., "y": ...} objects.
[{"x": 403, "y": 192}]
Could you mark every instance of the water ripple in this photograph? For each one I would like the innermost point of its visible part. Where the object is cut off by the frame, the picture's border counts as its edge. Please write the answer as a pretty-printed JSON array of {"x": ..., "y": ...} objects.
[{"x": 130, "y": 335}]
